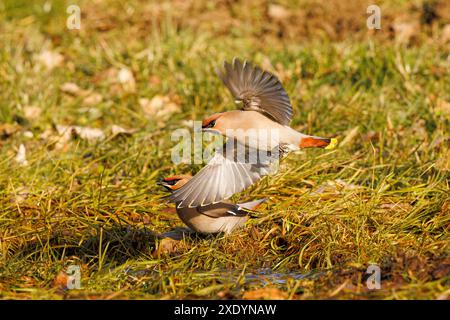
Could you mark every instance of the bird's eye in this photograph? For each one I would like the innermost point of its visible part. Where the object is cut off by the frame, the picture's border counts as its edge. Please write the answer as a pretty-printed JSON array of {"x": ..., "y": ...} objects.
[{"x": 211, "y": 124}]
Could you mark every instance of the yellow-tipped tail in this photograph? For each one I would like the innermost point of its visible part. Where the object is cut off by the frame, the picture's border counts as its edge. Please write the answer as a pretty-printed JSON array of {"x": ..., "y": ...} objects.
[{"x": 332, "y": 144}]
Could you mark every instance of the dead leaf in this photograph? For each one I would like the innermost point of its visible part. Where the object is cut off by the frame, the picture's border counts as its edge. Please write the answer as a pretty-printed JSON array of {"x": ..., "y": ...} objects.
[
  {"x": 405, "y": 31},
  {"x": 50, "y": 59},
  {"x": 159, "y": 106},
  {"x": 32, "y": 112},
  {"x": 126, "y": 79},
  {"x": 84, "y": 133},
  {"x": 28, "y": 134},
  {"x": 61, "y": 280},
  {"x": 278, "y": 12},
  {"x": 7, "y": 130},
  {"x": 265, "y": 294},
  {"x": 71, "y": 88},
  {"x": 166, "y": 246},
  {"x": 445, "y": 36},
  {"x": 118, "y": 130},
  {"x": 21, "y": 158},
  {"x": 93, "y": 99}
]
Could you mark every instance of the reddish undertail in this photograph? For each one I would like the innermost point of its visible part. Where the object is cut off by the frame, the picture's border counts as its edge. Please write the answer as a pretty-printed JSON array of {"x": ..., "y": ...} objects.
[{"x": 316, "y": 142}]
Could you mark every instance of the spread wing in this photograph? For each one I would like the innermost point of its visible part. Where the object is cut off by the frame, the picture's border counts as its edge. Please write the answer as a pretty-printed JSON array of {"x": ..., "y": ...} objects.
[
  {"x": 257, "y": 89},
  {"x": 228, "y": 172}
]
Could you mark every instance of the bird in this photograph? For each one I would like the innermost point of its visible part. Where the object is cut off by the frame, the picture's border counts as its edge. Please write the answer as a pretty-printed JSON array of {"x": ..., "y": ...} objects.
[
  {"x": 264, "y": 107},
  {"x": 223, "y": 216}
]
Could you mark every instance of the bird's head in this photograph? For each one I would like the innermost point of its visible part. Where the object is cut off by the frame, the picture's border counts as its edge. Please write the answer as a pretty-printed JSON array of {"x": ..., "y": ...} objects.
[
  {"x": 213, "y": 123},
  {"x": 174, "y": 182}
]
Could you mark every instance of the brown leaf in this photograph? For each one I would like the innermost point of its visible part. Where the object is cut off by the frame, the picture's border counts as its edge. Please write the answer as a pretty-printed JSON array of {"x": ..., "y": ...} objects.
[
  {"x": 7, "y": 130},
  {"x": 93, "y": 99},
  {"x": 32, "y": 112},
  {"x": 165, "y": 246},
  {"x": 85, "y": 133},
  {"x": 126, "y": 79},
  {"x": 445, "y": 36},
  {"x": 278, "y": 12},
  {"x": 405, "y": 31},
  {"x": 159, "y": 106},
  {"x": 61, "y": 280},
  {"x": 71, "y": 88},
  {"x": 118, "y": 130},
  {"x": 50, "y": 59},
  {"x": 265, "y": 294}
]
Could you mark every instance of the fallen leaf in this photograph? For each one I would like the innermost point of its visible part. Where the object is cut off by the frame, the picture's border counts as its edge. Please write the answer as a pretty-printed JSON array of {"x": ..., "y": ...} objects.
[
  {"x": 118, "y": 130},
  {"x": 32, "y": 112},
  {"x": 61, "y": 280},
  {"x": 165, "y": 246},
  {"x": 50, "y": 59},
  {"x": 71, "y": 88},
  {"x": 126, "y": 79},
  {"x": 93, "y": 99},
  {"x": 265, "y": 294},
  {"x": 85, "y": 133},
  {"x": 28, "y": 134},
  {"x": 7, "y": 130},
  {"x": 445, "y": 36},
  {"x": 159, "y": 107},
  {"x": 278, "y": 12},
  {"x": 405, "y": 31},
  {"x": 21, "y": 157}
]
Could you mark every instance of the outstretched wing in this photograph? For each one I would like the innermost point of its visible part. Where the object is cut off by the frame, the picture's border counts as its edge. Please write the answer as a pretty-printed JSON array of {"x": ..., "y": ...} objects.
[
  {"x": 257, "y": 89},
  {"x": 228, "y": 172}
]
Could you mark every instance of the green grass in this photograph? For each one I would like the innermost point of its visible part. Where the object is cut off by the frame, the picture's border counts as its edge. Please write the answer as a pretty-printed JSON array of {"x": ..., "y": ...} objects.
[{"x": 381, "y": 197}]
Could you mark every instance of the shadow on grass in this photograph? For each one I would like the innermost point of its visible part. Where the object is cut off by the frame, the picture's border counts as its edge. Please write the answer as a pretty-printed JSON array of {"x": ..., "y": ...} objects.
[{"x": 115, "y": 244}]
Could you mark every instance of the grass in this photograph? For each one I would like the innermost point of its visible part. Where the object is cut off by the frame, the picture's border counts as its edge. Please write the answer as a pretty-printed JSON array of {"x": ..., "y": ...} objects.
[{"x": 381, "y": 197}]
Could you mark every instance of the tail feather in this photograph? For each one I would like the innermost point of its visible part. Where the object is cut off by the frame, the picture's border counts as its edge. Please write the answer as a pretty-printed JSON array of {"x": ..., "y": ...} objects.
[{"x": 317, "y": 142}]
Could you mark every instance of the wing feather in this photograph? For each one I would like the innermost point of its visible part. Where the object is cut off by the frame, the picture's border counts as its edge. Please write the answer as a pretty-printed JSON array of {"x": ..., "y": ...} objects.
[
  {"x": 221, "y": 178},
  {"x": 259, "y": 90}
]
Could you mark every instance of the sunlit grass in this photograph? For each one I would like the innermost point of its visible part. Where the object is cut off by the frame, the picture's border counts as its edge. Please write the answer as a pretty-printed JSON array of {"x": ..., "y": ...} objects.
[{"x": 381, "y": 197}]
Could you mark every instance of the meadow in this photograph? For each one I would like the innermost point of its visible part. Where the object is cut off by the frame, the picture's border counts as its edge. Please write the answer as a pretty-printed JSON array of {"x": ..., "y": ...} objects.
[{"x": 86, "y": 118}]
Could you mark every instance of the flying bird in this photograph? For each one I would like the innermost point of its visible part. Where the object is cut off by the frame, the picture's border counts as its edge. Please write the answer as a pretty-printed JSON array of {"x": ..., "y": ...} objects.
[
  {"x": 223, "y": 216},
  {"x": 264, "y": 107}
]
